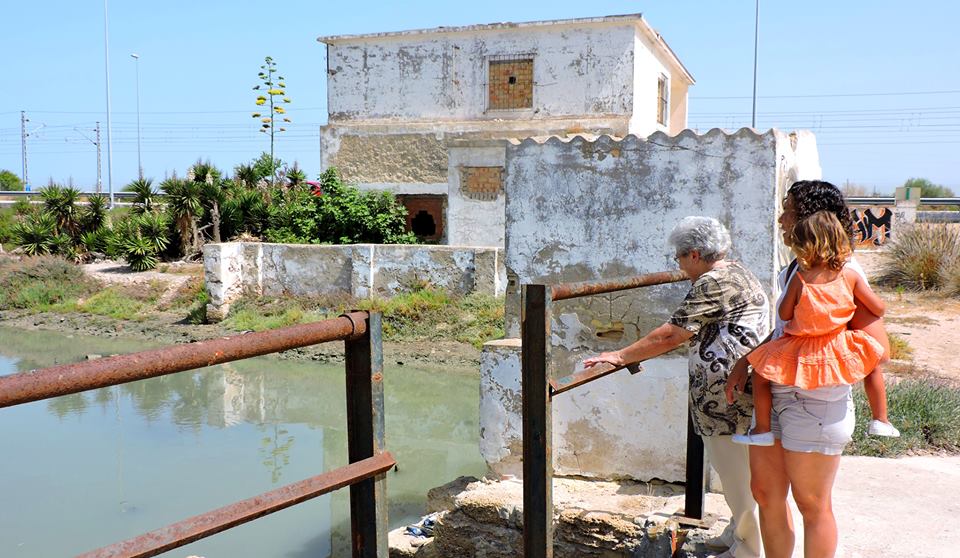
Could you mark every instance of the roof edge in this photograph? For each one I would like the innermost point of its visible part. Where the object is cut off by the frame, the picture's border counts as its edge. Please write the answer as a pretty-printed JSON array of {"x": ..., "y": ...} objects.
[{"x": 623, "y": 18}]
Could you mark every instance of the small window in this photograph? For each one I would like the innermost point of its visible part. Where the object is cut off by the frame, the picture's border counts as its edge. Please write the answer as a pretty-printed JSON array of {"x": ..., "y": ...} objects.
[
  {"x": 481, "y": 183},
  {"x": 510, "y": 83},
  {"x": 663, "y": 100}
]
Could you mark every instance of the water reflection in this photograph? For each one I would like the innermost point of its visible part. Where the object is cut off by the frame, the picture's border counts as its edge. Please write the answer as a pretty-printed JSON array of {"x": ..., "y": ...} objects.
[{"x": 111, "y": 463}]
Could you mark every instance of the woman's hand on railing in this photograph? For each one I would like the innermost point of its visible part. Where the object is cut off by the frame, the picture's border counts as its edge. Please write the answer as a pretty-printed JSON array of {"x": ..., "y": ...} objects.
[
  {"x": 737, "y": 380},
  {"x": 613, "y": 357}
]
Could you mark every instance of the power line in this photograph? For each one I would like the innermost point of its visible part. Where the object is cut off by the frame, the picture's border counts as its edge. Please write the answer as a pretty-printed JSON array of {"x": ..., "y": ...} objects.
[{"x": 830, "y": 95}]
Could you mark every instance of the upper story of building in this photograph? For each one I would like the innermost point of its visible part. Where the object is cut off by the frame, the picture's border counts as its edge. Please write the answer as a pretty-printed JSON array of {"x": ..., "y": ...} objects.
[{"x": 524, "y": 76}]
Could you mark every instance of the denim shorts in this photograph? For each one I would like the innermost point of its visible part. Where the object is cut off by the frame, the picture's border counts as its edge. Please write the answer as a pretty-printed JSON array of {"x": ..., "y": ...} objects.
[{"x": 806, "y": 424}]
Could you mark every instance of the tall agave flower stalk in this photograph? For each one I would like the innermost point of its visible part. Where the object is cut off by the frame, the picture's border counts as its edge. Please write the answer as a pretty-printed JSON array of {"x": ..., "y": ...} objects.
[{"x": 271, "y": 96}]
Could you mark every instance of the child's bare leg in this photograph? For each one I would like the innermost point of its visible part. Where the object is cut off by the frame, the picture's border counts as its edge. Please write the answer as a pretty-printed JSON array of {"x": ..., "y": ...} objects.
[
  {"x": 874, "y": 384},
  {"x": 762, "y": 403}
]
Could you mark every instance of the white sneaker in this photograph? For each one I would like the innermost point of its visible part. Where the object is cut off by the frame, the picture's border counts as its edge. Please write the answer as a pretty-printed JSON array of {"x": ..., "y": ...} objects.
[
  {"x": 880, "y": 428},
  {"x": 751, "y": 439}
]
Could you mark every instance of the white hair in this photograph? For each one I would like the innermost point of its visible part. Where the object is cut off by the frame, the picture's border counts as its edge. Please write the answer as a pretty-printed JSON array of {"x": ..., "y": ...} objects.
[{"x": 706, "y": 235}]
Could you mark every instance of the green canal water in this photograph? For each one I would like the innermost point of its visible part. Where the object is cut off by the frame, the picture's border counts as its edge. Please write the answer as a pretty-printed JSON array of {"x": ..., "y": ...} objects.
[{"x": 86, "y": 470}]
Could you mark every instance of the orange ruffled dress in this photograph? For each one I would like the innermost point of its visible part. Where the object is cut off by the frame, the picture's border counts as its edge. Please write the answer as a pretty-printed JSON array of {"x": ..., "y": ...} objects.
[{"x": 817, "y": 349}]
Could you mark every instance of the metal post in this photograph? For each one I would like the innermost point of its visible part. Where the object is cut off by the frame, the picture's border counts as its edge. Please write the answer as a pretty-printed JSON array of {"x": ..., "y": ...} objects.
[
  {"x": 756, "y": 45},
  {"x": 694, "y": 492},
  {"x": 106, "y": 64},
  {"x": 136, "y": 58},
  {"x": 537, "y": 424},
  {"x": 99, "y": 174},
  {"x": 365, "y": 438},
  {"x": 23, "y": 149}
]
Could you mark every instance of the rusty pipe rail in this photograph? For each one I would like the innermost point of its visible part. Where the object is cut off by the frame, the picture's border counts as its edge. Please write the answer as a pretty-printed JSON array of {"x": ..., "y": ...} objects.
[
  {"x": 55, "y": 381},
  {"x": 210, "y": 523},
  {"x": 587, "y": 375},
  {"x": 564, "y": 291}
]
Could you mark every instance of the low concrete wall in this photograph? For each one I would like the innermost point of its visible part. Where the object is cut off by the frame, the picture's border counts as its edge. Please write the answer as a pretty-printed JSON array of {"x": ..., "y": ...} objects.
[
  {"x": 237, "y": 269},
  {"x": 594, "y": 210}
]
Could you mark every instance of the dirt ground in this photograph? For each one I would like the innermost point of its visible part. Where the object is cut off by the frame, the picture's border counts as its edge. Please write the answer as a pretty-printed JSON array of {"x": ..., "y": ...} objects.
[{"x": 929, "y": 323}]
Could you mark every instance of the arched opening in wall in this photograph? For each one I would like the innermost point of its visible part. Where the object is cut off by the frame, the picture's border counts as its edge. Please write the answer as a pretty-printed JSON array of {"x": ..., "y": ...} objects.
[
  {"x": 423, "y": 224},
  {"x": 425, "y": 215}
]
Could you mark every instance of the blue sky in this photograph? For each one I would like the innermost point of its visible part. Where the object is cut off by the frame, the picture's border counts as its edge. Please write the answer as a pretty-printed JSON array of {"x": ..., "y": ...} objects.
[{"x": 877, "y": 81}]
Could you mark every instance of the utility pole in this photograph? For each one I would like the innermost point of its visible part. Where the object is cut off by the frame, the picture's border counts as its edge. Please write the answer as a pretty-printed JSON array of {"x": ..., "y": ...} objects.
[
  {"x": 96, "y": 143},
  {"x": 106, "y": 64},
  {"x": 99, "y": 181},
  {"x": 24, "y": 134},
  {"x": 23, "y": 149},
  {"x": 756, "y": 45}
]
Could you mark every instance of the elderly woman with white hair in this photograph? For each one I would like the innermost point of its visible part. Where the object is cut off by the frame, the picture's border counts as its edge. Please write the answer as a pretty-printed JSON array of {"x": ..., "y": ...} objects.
[{"x": 723, "y": 316}]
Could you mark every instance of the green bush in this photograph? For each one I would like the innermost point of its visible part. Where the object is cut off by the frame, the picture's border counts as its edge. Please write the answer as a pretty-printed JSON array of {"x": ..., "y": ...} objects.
[
  {"x": 40, "y": 282},
  {"x": 6, "y": 226},
  {"x": 338, "y": 214},
  {"x": 10, "y": 182},
  {"x": 926, "y": 412},
  {"x": 923, "y": 257}
]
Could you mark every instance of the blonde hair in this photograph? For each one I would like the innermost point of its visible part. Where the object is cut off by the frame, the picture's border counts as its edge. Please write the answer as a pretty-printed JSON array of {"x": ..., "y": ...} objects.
[{"x": 820, "y": 239}]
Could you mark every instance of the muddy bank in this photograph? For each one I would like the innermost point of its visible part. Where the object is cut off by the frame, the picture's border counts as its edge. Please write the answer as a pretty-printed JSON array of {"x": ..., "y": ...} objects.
[{"x": 168, "y": 329}]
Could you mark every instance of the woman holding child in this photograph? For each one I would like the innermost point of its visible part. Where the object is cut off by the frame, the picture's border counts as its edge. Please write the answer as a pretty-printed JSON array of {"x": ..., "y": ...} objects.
[{"x": 804, "y": 372}]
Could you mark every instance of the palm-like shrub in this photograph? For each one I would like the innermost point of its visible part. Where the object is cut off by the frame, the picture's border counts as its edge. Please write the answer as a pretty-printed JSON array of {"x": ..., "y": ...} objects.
[
  {"x": 185, "y": 206},
  {"x": 94, "y": 215},
  {"x": 61, "y": 202},
  {"x": 35, "y": 234},
  {"x": 139, "y": 253},
  {"x": 144, "y": 196}
]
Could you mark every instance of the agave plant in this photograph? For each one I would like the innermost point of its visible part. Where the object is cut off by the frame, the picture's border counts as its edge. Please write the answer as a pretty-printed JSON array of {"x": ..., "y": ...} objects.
[
  {"x": 96, "y": 240},
  {"x": 35, "y": 234},
  {"x": 153, "y": 227},
  {"x": 22, "y": 207},
  {"x": 246, "y": 176},
  {"x": 296, "y": 176},
  {"x": 144, "y": 198},
  {"x": 94, "y": 215},
  {"x": 139, "y": 253},
  {"x": 61, "y": 202},
  {"x": 62, "y": 245}
]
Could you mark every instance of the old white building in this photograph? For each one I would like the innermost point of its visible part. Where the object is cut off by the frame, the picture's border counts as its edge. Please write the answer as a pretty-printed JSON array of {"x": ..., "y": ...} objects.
[{"x": 424, "y": 113}]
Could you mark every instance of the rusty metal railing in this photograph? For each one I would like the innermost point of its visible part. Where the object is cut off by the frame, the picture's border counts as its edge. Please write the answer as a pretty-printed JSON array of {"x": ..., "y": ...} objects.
[
  {"x": 538, "y": 390},
  {"x": 369, "y": 461}
]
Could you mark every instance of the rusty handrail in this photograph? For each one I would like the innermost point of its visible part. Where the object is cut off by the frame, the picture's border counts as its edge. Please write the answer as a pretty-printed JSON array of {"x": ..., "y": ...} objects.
[
  {"x": 587, "y": 375},
  {"x": 55, "y": 381},
  {"x": 564, "y": 291},
  {"x": 210, "y": 523}
]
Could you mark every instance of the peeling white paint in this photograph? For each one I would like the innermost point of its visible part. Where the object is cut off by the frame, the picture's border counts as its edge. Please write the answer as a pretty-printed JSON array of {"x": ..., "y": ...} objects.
[
  {"x": 592, "y": 210},
  {"x": 360, "y": 270}
]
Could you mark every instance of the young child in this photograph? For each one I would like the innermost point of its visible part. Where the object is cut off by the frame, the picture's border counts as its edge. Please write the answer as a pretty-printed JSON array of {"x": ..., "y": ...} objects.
[{"x": 817, "y": 349}]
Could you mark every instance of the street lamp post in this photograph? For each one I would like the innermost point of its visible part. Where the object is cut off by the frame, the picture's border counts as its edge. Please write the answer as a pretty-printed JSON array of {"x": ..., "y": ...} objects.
[
  {"x": 136, "y": 58},
  {"x": 106, "y": 65}
]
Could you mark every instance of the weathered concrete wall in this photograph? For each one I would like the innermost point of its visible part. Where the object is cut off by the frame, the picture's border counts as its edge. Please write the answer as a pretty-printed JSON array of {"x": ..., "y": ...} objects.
[
  {"x": 583, "y": 211},
  {"x": 396, "y": 158},
  {"x": 474, "y": 220},
  {"x": 577, "y": 70},
  {"x": 236, "y": 269}
]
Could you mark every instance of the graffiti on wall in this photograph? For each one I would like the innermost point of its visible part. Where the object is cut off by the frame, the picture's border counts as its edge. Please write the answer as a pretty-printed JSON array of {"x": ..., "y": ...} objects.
[{"x": 871, "y": 225}]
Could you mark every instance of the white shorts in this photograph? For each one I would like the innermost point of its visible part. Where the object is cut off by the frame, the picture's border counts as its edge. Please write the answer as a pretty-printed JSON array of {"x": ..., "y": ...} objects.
[{"x": 806, "y": 424}]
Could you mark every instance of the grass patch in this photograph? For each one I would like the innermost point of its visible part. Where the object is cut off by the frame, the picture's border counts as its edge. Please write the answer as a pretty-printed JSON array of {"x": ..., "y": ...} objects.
[
  {"x": 114, "y": 303},
  {"x": 899, "y": 348},
  {"x": 927, "y": 413},
  {"x": 423, "y": 315},
  {"x": 38, "y": 284}
]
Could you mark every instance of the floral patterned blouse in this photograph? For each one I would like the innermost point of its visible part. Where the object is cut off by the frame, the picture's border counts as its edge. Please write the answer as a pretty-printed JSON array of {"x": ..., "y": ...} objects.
[{"x": 728, "y": 314}]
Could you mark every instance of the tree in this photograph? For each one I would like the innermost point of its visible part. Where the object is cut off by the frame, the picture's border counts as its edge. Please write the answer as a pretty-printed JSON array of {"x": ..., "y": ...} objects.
[
  {"x": 10, "y": 182},
  {"x": 929, "y": 189},
  {"x": 272, "y": 97}
]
